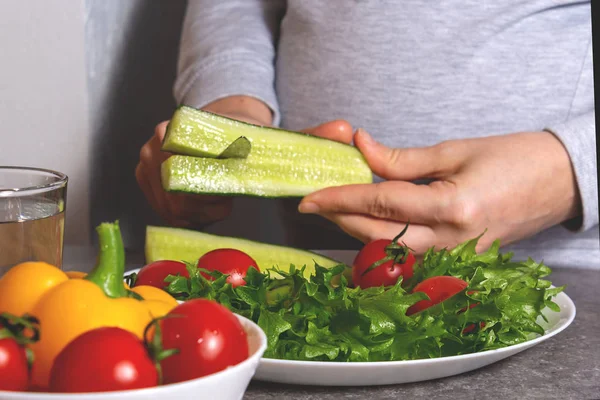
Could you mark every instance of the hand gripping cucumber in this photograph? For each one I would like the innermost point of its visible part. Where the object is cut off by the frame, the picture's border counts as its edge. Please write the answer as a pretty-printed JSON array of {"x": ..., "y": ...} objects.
[{"x": 219, "y": 155}]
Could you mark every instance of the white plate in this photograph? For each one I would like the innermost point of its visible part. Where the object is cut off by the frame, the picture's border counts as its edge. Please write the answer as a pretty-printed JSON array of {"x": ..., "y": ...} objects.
[
  {"x": 397, "y": 372},
  {"x": 322, "y": 373}
]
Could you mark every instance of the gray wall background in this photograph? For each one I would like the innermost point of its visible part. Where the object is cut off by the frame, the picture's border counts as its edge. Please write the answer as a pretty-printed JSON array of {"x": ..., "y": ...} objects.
[
  {"x": 82, "y": 85},
  {"x": 44, "y": 99}
]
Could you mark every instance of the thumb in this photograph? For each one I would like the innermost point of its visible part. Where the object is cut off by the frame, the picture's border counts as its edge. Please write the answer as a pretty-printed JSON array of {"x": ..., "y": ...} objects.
[
  {"x": 338, "y": 130},
  {"x": 405, "y": 164},
  {"x": 155, "y": 143}
]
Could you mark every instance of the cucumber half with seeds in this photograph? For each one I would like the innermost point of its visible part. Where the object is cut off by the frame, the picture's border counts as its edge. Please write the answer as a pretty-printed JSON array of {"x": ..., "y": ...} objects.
[
  {"x": 163, "y": 243},
  {"x": 219, "y": 155}
]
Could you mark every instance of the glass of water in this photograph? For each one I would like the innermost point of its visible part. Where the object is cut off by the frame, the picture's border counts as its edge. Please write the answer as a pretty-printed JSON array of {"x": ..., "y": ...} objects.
[{"x": 32, "y": 215}]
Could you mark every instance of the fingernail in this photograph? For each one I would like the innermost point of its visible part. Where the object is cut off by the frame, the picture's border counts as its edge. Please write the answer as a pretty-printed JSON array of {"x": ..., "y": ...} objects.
[
  {"x": 365, "y": 135},
  {"x": 308, "y": 208}
]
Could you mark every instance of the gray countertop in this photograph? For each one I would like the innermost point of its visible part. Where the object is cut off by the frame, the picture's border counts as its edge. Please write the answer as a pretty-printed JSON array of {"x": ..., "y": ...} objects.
[{"x": 566, "y": 366}]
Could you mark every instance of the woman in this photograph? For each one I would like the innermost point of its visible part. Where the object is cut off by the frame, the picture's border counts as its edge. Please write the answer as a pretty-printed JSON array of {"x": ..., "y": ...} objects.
[{"x": 479, "y": 116}]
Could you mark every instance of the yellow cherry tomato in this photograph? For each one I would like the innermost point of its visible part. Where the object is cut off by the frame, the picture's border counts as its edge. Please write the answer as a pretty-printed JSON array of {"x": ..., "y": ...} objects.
[
  {"x": 23, "y": 285},
  {"x": 154, "y": 293}
]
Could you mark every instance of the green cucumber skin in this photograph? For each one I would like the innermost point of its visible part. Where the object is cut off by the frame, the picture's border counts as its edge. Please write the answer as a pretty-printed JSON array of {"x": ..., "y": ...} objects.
[
  {"x": 255, "y": 196},
  {"x": 164, "y": 243},
  {"x": 176, "y": 144}
]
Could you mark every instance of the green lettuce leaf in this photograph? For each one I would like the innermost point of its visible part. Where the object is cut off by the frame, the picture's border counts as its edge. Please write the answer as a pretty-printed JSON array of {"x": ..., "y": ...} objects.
[{"x": 321, "y": 318}]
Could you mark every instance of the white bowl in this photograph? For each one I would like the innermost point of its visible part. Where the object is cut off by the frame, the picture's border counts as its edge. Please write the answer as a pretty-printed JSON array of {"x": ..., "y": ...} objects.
[{"x": 229, "y": 384}]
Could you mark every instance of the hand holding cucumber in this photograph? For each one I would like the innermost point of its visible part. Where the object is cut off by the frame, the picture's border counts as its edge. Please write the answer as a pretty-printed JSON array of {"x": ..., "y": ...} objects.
[
  {"x": 190, "y": 210},
  {"x": 184, "y": 210},
  {"x": 512, "y": 185},
  {"x": 175, "y": 209}
]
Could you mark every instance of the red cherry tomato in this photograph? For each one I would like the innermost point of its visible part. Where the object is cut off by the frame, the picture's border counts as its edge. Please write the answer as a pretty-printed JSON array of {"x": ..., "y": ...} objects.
[
  {"x": 14, "y": 370},
  {"x": 232, "y": 262},
  {"x": 400, "y": 263},
  {"x": 438, "y": 288},
  {"x": 154, "y": 274},
  {"x": 103, "y": 359},
  {"x": 382, "y": 262},
  {"x": 208, "y": 336}
]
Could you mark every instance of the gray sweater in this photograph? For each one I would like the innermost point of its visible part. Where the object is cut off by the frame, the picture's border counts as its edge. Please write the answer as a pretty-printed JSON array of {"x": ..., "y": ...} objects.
[{"x": 412, "y": 73}]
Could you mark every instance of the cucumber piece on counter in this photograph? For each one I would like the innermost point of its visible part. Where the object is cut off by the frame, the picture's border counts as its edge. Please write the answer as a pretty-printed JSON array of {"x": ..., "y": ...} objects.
[
  {"x": 163, "y": 243},
  {"x": 212, "y": 159}
]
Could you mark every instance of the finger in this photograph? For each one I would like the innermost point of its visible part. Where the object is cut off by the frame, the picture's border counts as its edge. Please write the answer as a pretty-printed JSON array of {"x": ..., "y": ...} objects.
[
  {"x": 338, "y": 130},
  {"x": 178, "y": 209},
  {"x": 393, "y": 200},
  {"x": 153, "y": 190},
  {"x": 367, "y": 229},
  {"x": 153, "y": 156},
  {"x": 161, "y": 130},
  {"x": 409, "y": 163},
  {"x": 157, "y": 202},
  {"x": 183, "y": 210},
  {"x": 150, "y": 168},
  {"x": 152, "y": 153}
]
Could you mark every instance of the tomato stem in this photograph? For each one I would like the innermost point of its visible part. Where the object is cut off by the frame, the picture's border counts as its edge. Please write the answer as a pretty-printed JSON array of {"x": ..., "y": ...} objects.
[
  {"x": 155, "y": 347},
  {"x": 395, "y": 240},
  {"x": 18, "y": 327}
]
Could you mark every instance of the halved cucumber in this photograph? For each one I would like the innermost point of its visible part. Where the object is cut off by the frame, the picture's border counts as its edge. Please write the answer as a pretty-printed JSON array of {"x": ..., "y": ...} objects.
[
  {"x": 164, "y": 243},
  {"x": 280, "y": 163}
]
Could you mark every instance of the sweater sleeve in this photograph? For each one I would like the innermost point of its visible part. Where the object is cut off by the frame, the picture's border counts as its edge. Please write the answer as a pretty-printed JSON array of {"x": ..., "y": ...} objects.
[
  {"x": 578, "y": 134},
  {"x": 228, "y": 48}
]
